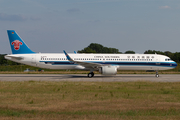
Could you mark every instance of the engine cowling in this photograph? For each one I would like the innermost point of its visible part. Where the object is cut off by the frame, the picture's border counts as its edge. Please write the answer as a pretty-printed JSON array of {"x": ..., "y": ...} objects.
[{"x": 108, "y": 70}]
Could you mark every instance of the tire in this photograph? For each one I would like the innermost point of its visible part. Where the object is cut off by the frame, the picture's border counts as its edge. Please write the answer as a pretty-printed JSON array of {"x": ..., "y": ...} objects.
[
  {"x": 90, "y": 75},
  {"x": 157, "y": 75}
]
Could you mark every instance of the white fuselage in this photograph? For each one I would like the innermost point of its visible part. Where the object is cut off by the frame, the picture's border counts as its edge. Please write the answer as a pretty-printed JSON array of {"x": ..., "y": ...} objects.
[{"x": 121, "y": 61}]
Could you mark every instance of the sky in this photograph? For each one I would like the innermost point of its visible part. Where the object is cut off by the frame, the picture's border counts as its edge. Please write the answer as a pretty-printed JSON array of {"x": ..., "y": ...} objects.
[{"x": 51, "y": 26}]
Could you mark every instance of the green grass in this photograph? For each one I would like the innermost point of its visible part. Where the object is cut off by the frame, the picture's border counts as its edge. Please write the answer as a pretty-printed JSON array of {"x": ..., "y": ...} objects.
[{"x": 89, "y": 100}]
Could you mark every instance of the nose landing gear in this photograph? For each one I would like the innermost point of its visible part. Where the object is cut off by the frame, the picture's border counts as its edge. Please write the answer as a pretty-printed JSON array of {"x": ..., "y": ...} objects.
[{"x": 157, "y": 75}]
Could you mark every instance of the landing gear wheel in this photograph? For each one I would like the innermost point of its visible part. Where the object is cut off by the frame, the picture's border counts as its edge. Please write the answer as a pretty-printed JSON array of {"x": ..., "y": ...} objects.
[
  {"x": 90, "y": 75},
  {"x": 157, "y": 75}
]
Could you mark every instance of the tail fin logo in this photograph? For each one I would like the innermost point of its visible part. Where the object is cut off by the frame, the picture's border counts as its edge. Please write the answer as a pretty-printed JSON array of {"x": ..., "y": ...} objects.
[{"x": 16, "y": 44}]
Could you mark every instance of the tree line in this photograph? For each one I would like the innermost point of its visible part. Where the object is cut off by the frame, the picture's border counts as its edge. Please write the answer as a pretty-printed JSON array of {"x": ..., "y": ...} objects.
[{"x": 98, "y": 48}]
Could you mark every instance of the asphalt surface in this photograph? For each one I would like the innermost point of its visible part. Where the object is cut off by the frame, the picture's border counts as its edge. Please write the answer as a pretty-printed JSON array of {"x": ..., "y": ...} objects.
[{"x": 96, "y": 78}]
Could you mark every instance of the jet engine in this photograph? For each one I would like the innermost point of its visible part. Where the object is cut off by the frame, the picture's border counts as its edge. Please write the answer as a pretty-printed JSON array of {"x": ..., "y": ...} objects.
[{"x": 108, "y": 70}]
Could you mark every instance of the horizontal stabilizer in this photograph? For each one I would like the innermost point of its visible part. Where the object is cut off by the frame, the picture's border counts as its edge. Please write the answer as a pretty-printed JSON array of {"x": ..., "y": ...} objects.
[{"x": 13, "y": 57}]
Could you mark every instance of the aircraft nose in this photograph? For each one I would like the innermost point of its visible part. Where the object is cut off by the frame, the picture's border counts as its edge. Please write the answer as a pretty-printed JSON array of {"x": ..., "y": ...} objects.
[{"x": 174, "y": 64}]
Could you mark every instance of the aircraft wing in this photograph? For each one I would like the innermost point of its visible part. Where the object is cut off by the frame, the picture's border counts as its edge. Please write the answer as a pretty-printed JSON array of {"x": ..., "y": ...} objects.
[{"x": 85, "y": 64}]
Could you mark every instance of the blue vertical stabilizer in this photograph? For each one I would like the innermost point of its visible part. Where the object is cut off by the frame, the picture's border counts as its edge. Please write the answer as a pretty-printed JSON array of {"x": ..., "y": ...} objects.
[{"x": 18, "y": 46}]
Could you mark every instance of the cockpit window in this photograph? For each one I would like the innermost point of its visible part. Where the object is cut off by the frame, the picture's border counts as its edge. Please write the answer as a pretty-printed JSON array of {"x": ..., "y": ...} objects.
[{"x": 168, "y": 59}]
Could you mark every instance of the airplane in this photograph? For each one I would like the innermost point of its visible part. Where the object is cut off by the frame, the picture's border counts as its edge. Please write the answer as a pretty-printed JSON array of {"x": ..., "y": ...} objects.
[{"x": 106, "y": 64}]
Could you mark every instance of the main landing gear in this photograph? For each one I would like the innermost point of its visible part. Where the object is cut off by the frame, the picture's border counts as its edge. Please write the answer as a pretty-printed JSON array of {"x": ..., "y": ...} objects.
[
  {"x": 91, "y": 74},
  {"x": 157, "y": 75}
]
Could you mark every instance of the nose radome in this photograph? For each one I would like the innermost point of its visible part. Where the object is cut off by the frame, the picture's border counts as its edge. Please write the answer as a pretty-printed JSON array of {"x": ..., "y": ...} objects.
[{"x": 175, "y": 64}]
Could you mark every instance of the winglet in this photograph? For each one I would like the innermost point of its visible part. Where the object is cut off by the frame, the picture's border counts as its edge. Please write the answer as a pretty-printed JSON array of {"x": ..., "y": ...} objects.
[{"x": 67, "y": 56}]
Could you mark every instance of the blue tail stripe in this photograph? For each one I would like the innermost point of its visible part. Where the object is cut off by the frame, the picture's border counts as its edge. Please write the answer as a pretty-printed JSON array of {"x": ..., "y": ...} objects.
[{"x": 18, "y": 46}]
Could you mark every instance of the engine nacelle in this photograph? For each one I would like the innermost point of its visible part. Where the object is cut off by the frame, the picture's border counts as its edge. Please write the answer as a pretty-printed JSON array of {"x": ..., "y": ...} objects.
[{"x": 108, "y": 70}]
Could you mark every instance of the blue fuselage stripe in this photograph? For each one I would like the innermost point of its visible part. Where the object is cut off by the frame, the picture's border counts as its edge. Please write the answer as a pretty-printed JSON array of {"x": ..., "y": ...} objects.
[{"x": 160, "y": 64}]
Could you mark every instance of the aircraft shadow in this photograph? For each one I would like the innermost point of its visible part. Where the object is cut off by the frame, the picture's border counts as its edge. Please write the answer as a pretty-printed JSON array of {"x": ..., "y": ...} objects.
[{"x": 119, "y": 76}]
